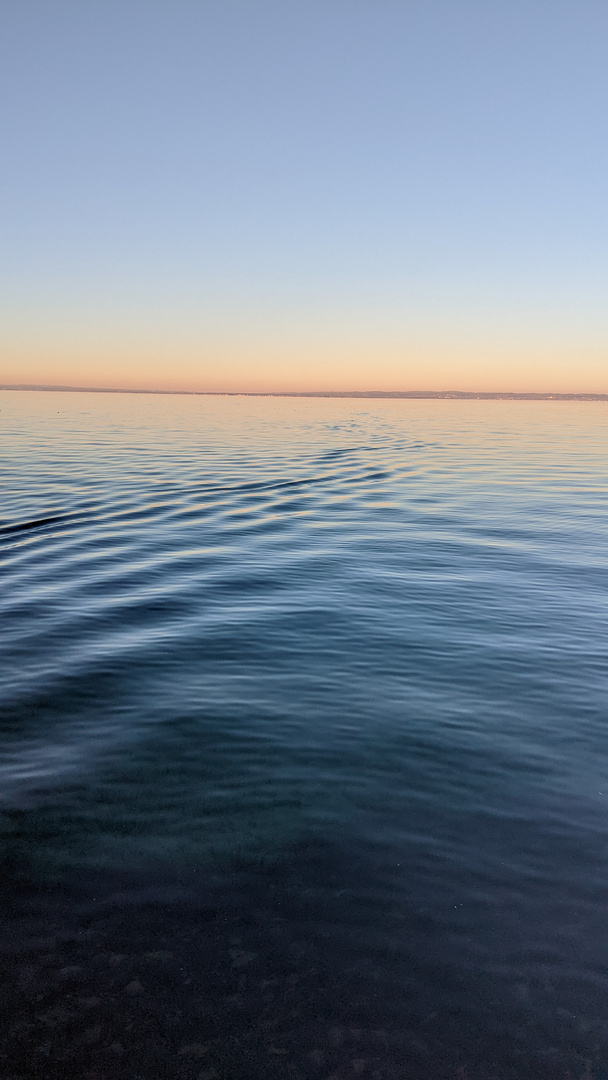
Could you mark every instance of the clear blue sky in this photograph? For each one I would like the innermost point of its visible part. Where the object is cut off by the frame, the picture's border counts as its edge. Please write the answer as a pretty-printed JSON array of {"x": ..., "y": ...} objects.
[{"x": 305, "y": 195}]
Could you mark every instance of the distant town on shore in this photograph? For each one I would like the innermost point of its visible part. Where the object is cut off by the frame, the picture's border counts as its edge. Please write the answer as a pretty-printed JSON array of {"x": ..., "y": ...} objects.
[{"x": 446, "y": 395}]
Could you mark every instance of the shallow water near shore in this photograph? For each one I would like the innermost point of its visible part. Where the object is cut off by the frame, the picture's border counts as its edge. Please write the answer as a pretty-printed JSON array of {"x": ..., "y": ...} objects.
[{"x": 304, "y": 759}]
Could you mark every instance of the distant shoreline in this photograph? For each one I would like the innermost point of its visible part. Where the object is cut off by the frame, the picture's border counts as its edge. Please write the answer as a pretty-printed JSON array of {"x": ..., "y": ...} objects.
[{"x": 444, "y": 395}]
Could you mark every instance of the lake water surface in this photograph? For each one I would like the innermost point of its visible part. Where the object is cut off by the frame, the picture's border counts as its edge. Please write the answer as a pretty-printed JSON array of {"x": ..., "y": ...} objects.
[{"x": 304, "y": 761}]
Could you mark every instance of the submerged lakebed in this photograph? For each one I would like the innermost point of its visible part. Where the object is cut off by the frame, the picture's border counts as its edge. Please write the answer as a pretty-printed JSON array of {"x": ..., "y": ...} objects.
[{"x": 304, "y": 762}]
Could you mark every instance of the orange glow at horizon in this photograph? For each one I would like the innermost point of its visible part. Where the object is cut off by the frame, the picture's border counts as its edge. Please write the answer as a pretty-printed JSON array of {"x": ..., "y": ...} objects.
[
  {"x": 413, "y": 218},
  {"x": 303, "y": 369}
]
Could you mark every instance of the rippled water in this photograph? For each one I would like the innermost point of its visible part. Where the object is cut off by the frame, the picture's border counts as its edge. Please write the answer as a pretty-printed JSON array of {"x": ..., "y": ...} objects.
[{"x": 333, "y": 672}]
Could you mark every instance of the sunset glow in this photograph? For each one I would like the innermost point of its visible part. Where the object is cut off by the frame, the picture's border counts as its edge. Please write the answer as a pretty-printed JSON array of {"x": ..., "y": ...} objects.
[{"x": 259, "y": 198}]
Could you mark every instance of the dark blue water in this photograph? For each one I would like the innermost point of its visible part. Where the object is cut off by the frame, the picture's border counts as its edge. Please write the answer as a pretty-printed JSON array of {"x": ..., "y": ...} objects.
[{"x": 305, "y": 764}]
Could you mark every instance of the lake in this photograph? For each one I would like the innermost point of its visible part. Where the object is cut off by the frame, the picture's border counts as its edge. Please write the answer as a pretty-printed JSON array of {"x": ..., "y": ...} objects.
[{"x": 304, "y": 761}]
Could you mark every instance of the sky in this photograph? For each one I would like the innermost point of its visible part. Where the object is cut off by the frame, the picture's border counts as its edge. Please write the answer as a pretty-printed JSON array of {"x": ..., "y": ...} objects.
[{"x": 259, "y": 195}]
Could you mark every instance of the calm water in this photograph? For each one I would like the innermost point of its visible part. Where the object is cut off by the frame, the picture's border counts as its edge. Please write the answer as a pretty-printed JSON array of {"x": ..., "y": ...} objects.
[{"x": 305, "y": 763}]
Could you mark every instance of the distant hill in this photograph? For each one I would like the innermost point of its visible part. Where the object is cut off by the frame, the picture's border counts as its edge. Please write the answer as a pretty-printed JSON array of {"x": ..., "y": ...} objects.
[{"x": 446, "y": 395}]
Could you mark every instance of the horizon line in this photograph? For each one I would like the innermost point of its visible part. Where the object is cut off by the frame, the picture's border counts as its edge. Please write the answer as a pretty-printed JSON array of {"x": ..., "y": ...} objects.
[{"x": 485, "y": 395}]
